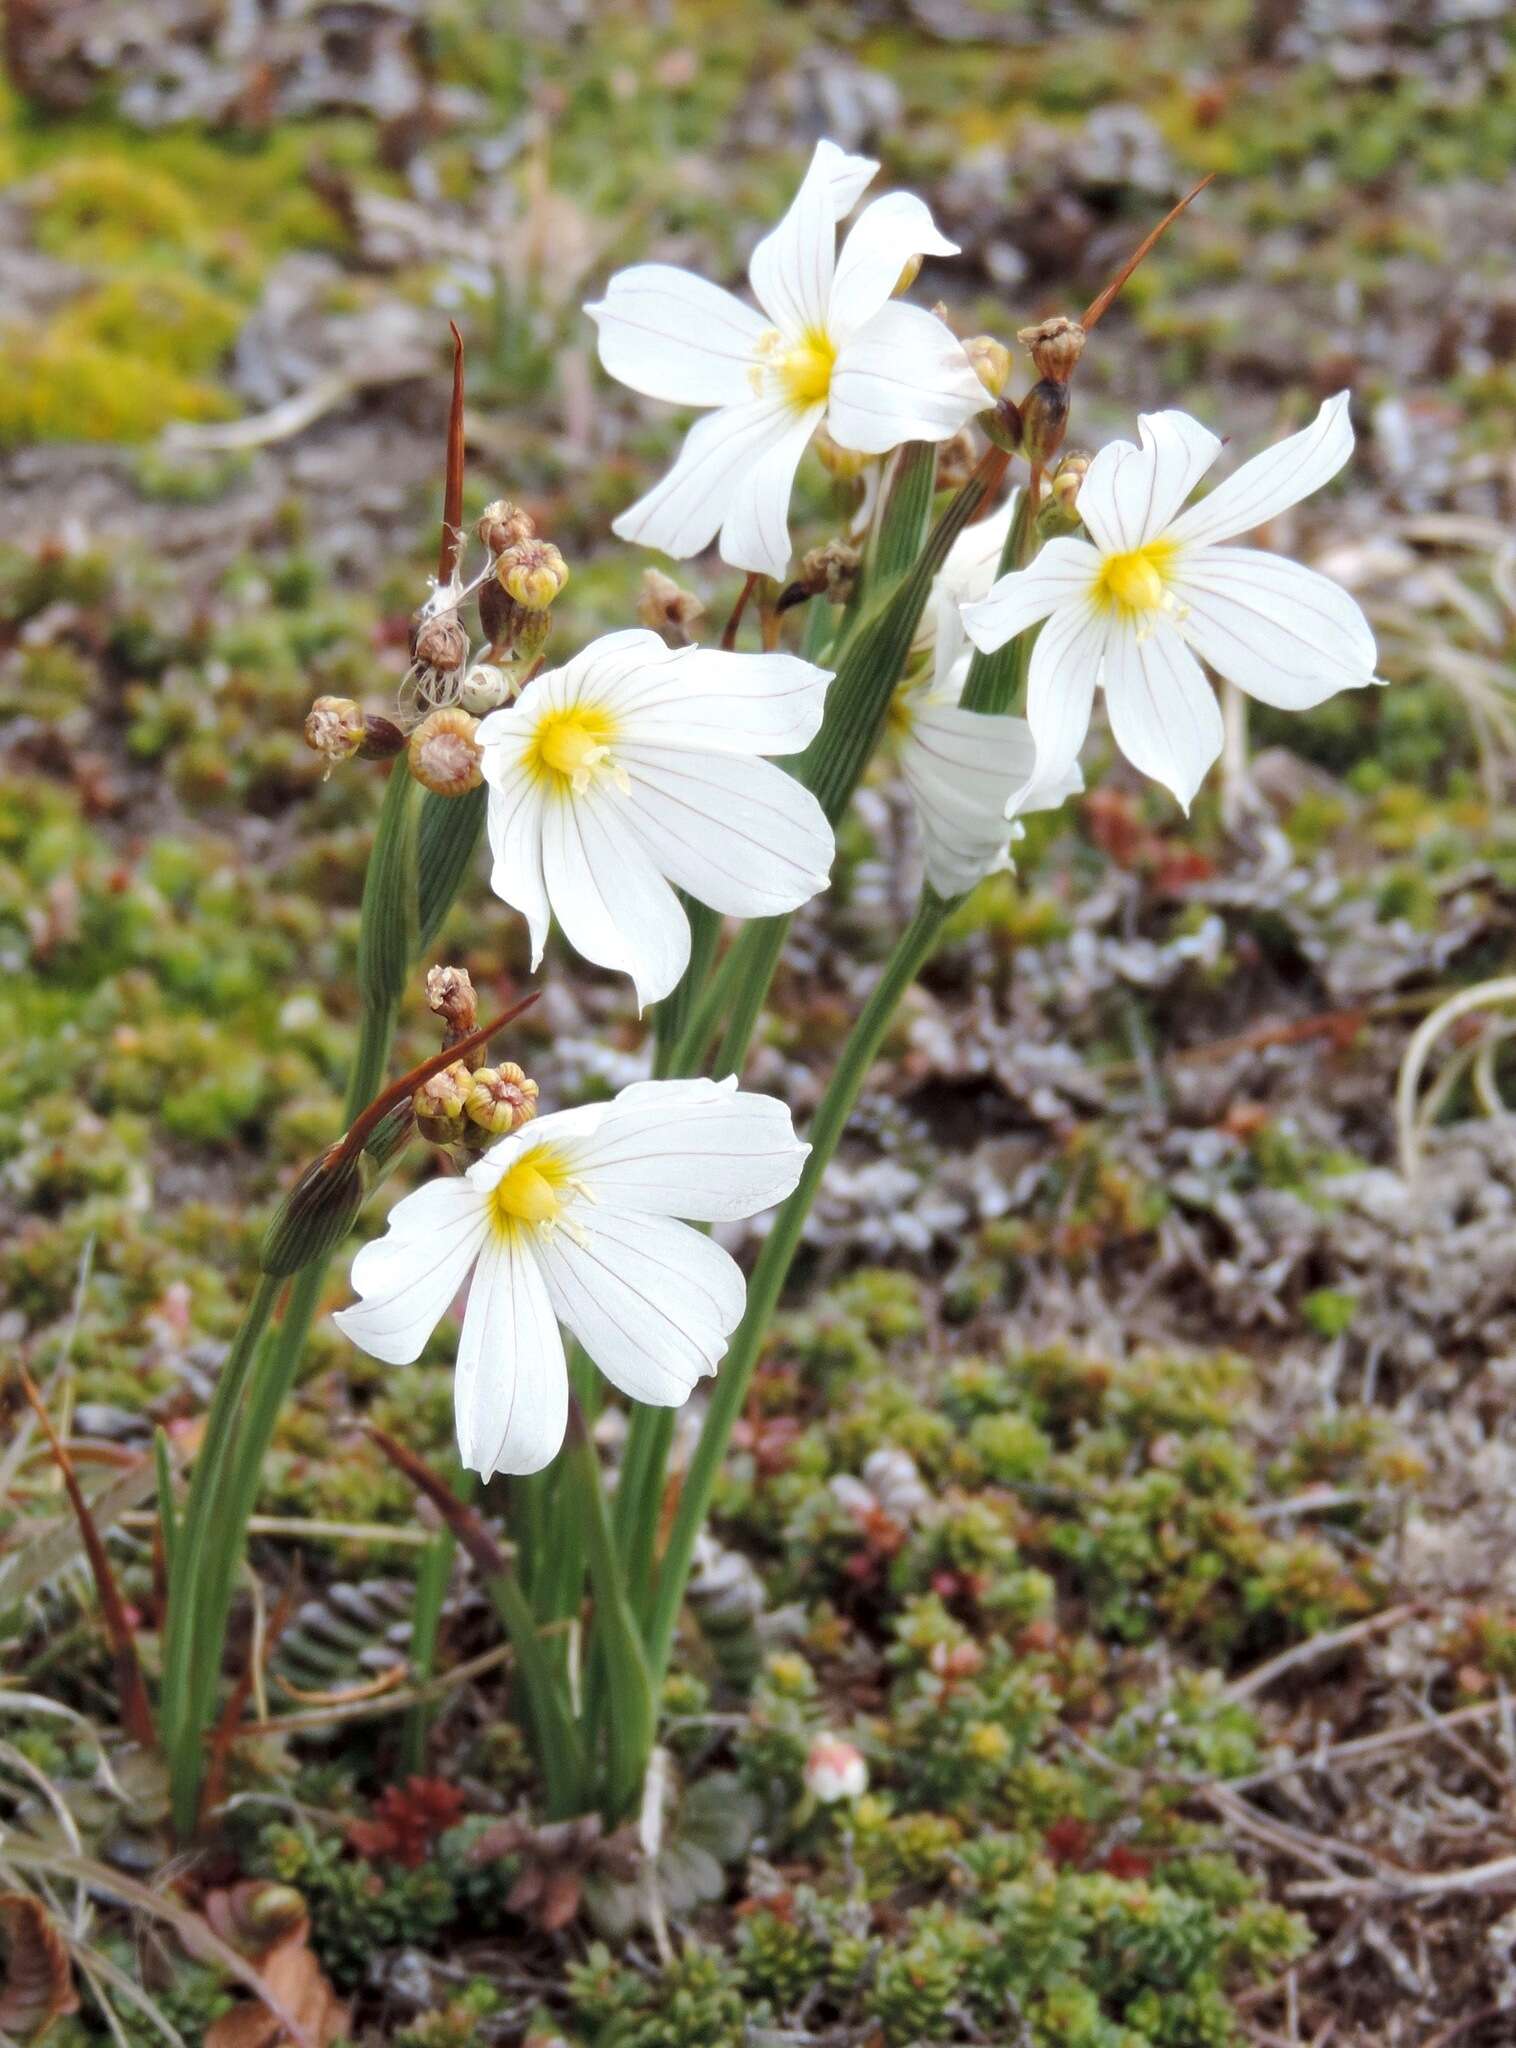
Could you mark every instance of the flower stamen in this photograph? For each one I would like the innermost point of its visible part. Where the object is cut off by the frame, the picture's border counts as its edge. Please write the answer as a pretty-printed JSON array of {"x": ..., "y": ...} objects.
[
  {"x": 1134, "y": 582},
  {"x": 803, "y": 368},
  {"x": 570, "y": 748},
  {"x": 532, "y": 1194}
]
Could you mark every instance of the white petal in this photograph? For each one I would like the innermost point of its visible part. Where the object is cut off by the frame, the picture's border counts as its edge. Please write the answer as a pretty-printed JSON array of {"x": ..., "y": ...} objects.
[
  {"x": 407, "y": 1278},
  {"x": 683, "y": 512},
  {"x": 1060, "y": 693},
  {"x": 514, "y": 822},
  {"x": 670, "y": 334},
  {"x": 1164, "y": 715},
  {"x": 1063, "y": 572},
  {"x": 737, "y": 833},
  {"x": 1272, "y": 481},
  {"x": 791, "y": 270},
  {"x": 720, "y": 703},
  {"x": 697, "y": 1149},
  {"x": 755, "y": 534},
  {"x": 1283, "y": 633},
  {"x": 1130, "y": 495},
  {"x": 961, "y": 768},
  {"x": 510, "y": 1394},
  {"x": 967, "y": 575},
  {"x": 886, "y": 236},
  {"x": 903, "y": 377},
  {"x": 614, "y": 906},
  {"x": 652, "y": 1301}
]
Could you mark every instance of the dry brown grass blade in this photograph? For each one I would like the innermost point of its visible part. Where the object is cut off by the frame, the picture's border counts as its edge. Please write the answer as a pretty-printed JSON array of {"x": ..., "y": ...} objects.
[
  {"x": 38, "y": 1983},
  {"x": 136, "y": 1713},
  {"x": 1099, "y": 305},
  {"x": 452, "y": 495}
]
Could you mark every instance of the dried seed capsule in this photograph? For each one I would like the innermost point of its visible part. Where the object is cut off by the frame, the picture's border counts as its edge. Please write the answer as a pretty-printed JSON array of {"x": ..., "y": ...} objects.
[
  {"x": 1056, "y": 346},
  {"x": 441, "y": 644},
  {"x": 444, "y": 753},
  {"x": 502, "y": 525}
]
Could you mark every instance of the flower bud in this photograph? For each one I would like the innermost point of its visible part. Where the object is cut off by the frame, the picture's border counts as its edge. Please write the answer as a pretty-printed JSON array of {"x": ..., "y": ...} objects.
[
  {"x": 1056, "y": 346},
  {"x": 444, "y": 754},
  {"x": 1059, "y": 511},
  {"x": 842, "y": 463},
  {"x": 991, "y": 360},
  {"x": 486, "y": 687},
  {"x": 1044, "y": 416},
  {"x": 835, "y": 1770},
  {"x": 441, "y": 644},
  {"x": 533, "y": 573},
  {"x": 501, "y": 1099},
  {"x": 450, "y": 996},
  {"x": 502, "y": 525},
  {"x": 439, "y": 1104},
  {"x": 314, "y": 1217},
  {"x": 668, "y": 609},
  {"x": 1002, "y": 424}
]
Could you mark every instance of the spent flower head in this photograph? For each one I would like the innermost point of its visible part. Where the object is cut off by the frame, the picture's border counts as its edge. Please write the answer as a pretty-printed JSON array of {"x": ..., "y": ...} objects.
[{"x": 444, "y": 752}]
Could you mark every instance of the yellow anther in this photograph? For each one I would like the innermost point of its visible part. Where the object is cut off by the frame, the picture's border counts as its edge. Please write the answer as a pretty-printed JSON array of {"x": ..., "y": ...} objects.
[{"x": 1135, "y": 580}]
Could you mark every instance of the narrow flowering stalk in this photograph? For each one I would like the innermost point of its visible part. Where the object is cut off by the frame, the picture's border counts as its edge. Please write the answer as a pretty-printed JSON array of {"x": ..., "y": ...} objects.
[
  {"x": 730, "y": 1392},
  {"x": 830, "y": 344},
  {"x": 857, "y": 709}
]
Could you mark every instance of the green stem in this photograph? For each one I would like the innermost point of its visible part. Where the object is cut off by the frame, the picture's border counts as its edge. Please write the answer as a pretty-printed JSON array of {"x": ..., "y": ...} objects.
[
  {"x": 911, "y": 951},
  {"x": 559, "y": 1749},
  {"x": 639, "y": 1496},
  {"x": 186, "y": 1651}
]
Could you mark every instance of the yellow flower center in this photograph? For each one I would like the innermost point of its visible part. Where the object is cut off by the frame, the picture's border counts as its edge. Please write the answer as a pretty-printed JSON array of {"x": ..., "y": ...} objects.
[
  {"x": 531, "y": 1192},
  {"x": 569, "y": 747},
  {"x": 803, "y": 368},
  {"x": 1135, "y": 581}
]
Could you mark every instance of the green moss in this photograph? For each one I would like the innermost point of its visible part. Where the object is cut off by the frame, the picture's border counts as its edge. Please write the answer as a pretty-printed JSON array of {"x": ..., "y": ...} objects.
[{"x": 55, "y": 388}]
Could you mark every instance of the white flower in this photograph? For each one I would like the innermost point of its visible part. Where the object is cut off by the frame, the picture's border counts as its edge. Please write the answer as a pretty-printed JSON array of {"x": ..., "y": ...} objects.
[
  {"x": 1152, "y": 587},
  {"x": 964, "y": 767},
  {"x": 835, "y": 1769},
  {"x": 830, "y": 343},
  {"x": 973, "y": 562},
  {"x": 639, "y": 766},
  {"x": 570, "y": 1220},
  {"x": 969, "y": 774}
]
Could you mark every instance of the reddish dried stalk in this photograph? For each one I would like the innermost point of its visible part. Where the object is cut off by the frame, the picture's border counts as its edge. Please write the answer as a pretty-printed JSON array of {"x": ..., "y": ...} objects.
[
  {"x": 452, "y": 495},
  {"x": 136, "y": 1714},
  {"x": 1102, "y": 300}
]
